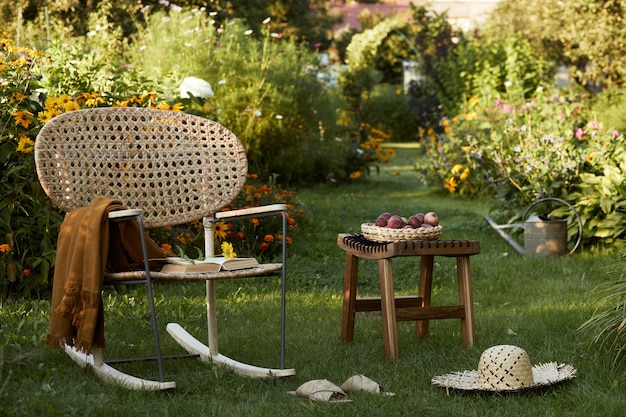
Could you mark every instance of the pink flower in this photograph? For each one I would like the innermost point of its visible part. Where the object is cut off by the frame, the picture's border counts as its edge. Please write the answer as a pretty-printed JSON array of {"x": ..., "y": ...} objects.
[{"x": 579, "y": 133}]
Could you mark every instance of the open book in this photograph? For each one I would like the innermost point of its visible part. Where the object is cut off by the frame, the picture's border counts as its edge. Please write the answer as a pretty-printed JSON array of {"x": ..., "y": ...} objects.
[{"x": 181, "y": 265}]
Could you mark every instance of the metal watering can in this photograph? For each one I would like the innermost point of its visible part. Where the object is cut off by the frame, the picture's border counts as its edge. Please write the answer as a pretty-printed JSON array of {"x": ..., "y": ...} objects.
[{"x": 542, "y": 236}]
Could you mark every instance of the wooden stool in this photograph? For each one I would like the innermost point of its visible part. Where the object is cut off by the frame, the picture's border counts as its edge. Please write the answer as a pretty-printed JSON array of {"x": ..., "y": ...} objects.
[{"x": 417, "y": 309}]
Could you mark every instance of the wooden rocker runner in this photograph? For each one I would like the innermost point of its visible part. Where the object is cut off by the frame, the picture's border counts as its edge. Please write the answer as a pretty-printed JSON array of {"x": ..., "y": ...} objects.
[{"x": 164, "y": 168}]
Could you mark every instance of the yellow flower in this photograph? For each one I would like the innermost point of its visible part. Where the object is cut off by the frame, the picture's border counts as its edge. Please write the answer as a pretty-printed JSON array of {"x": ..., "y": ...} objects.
[
  {"x": 163, "y": 106},
  {"x": 150, "y": 95},
  {"x": 472, "y": 101},
  {"x": 23, "y": 118},
  {"x": 19, "y": 97},
  {"x": 46, "y": 115},
  {"x": 177, "y": 107},
  {"x": 51, "y": 103},
  {"x": 92, "y": 99},
  {"x": 71, "y": 106},
  {"x": 456, "y": 169},
  {"x": 470, "y": 116},
  {"x": 227, "y": 250},
  {"x": 25, "y": 145},
  {"x": 465, "y": 174},
  {"x": 450, "y": 184},
  {"x": 354, "y": 175},
  {"x": 220, "y": 230}
]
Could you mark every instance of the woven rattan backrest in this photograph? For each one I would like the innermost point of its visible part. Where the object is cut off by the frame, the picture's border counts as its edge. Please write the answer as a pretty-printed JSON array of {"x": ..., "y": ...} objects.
[{"x": 175, "y": 166}]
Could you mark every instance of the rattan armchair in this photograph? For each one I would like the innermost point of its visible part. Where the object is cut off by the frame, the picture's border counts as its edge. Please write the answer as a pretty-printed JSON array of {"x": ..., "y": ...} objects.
[{"x": 167, "y": 168}]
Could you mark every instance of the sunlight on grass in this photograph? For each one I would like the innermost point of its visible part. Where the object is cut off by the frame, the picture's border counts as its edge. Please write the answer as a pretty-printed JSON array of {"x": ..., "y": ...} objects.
[{"x": 535, "y": 303}]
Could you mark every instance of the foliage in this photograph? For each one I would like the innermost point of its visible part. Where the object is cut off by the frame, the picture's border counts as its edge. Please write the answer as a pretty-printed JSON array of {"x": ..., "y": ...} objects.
[
  {"x": 272, "y": 100},
  {"x": 255, "y": 237},
  {"x": 583, "y": 35},
  {"x": 388, "y": 110},
  {"x": 522, "y": 150},
  {"x": 300, "y": 20},
  {"x": 608, "y": 322},
  {"x": 27, "y": 221},
  {"x": 456, "y": 67}
]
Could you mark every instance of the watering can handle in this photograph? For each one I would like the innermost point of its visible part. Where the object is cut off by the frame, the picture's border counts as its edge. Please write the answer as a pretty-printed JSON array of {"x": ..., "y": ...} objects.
[{"x": 580, "y": 222}]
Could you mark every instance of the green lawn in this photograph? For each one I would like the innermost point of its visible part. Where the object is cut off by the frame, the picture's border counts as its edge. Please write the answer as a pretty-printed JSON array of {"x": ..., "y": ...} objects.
[{"x": 534, "y": 303}]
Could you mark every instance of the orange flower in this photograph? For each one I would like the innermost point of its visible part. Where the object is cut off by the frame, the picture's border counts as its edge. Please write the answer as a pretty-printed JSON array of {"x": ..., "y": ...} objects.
[
  {"x": 166, "y": 246},
  {"x": 254, "y": 221},
  {"x": 264, "y": 246},
  {"x": 268, "y": 238},
  {"x": 5, "y": 247},
  {"x": 24, "y": 118},
  {"x": 220, "y": 230},
  {"x": 26, "y": 272}
]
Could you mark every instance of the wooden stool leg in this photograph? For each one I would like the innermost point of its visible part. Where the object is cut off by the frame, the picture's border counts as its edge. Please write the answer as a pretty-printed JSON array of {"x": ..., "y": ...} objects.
[
  {"x": 425, "y": 291},
  {"x": 468, "y": 330},
  {"x": 350, "y": 280},
  {"x": 388, "y": 308}
]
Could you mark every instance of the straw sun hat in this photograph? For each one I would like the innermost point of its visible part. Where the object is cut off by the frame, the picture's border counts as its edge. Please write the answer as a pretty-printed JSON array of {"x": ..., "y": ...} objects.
[{"x": 506, "y": 368}]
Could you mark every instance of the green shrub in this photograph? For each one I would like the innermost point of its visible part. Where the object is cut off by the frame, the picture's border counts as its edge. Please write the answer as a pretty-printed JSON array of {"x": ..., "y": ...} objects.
[
  {"x": 520, "y": 150},
  {"x": 266, "y": 90},
  {"x": 388, "y": 110},
  {"x": 27, "y": 221}
]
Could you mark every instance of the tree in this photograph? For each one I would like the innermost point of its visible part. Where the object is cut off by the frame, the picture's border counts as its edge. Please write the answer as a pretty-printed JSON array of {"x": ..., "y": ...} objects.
[{"x": 588, "y": 36}]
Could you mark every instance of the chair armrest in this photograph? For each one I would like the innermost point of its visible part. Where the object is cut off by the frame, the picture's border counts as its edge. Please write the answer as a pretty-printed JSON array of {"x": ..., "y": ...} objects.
[
  {"x": 251, "y": 212},
  {"x": 128, "y": 213}
]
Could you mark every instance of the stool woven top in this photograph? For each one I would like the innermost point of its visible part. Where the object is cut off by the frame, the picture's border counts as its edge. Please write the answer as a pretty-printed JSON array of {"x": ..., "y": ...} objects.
[{"x": 362, "y": 247}]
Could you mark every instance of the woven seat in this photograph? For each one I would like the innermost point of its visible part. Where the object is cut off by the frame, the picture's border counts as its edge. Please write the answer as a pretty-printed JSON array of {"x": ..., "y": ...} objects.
[{"x": 168, "y": 168}]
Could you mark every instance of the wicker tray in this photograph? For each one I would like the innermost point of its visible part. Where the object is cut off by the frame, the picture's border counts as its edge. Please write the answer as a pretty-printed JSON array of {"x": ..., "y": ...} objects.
[{"x": 384, "y": 234}]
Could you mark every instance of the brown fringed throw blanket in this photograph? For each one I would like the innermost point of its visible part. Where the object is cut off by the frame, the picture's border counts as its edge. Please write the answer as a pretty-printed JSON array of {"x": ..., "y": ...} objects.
[{"x": 86, "y": 245}]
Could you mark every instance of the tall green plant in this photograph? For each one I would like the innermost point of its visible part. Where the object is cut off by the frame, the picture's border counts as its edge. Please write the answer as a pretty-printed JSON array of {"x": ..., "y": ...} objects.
[
  {"x": 266, "y": 90},
  {"x": 607, "y": 325}
]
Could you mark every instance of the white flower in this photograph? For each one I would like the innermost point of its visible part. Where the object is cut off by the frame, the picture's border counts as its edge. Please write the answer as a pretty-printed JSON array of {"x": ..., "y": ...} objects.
[
  {"x": 267, "y": 20},
  {"x": 508, "y": 83},
  {"x": 221, "y": 82},
  {"x": 248, "y": 32},
  {"x": 196, "y": 86},
  {"x": 258, "y": 113},
  {"x": 279, "y": 117}
]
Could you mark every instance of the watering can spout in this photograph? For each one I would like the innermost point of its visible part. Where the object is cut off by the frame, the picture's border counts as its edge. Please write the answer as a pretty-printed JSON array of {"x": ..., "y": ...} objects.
[{"x": 508, "y": 238}]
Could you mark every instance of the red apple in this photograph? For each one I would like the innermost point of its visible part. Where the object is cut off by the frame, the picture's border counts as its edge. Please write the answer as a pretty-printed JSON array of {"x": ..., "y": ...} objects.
[
  {"x": 395, "y": 222},
  {"x": 381, "y": 221},
  {"x": 431, "y": 218},
  {"x": 415, "y": 221}
]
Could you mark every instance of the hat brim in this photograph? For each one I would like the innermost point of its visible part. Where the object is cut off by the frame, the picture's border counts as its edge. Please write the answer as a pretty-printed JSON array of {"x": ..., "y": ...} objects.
[{"x": 543, "y": 375}]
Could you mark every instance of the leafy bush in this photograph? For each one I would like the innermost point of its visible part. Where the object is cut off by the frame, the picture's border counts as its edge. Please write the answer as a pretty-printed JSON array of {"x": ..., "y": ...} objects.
[
  {"x": 522, "y": 150},
  {"x": 266, "y": 90},
  {"x": 27, "y": 221}
]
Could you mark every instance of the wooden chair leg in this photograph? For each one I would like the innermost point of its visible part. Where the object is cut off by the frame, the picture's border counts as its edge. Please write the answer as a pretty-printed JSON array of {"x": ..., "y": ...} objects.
[
  {"x": 388, "y": 307},
  {"x": 350, "y": 281},
  {"x": 425, "y": 291},
  {"x": 468, "y": 330}
]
